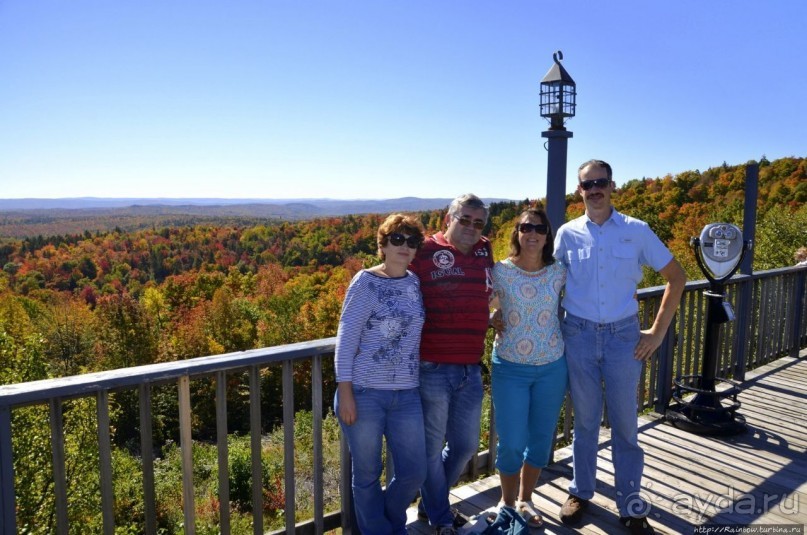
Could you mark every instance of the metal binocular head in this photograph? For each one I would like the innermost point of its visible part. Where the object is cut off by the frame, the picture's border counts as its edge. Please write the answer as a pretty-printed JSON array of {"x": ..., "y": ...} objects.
[{"x": 720, "y": 246}]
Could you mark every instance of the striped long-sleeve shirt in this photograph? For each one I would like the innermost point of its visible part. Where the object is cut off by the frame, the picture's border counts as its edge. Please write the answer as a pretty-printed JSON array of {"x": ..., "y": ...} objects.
[{"x": 378, "y": 340}]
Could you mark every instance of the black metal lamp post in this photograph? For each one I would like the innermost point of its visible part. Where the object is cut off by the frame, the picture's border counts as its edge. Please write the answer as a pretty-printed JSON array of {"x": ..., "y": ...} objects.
[{"x": 558, "y": 103}]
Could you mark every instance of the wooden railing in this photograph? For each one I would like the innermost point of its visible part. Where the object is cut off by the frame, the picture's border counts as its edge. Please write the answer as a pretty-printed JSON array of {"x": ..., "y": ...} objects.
[
  {"x": 771, "y": 322},
  {"x": 54, "y": 392}
]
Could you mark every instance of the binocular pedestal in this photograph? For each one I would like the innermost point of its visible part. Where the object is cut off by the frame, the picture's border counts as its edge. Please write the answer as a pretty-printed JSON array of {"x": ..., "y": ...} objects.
[{"x": 707, "y": 404}]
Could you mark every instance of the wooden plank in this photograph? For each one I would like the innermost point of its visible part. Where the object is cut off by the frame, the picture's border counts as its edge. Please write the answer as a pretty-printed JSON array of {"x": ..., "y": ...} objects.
[
  {"x": 786, "y": 383},
  {"x": 759, "y": 477},
  {"x": 769, "y": 405},
  {"x": 702, "y": 456},
  {"x": 710, "y": 465}
]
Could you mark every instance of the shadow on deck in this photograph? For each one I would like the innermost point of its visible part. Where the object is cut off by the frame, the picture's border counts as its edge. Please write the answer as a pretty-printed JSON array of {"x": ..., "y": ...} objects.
[{"x": 756, "y": 478}]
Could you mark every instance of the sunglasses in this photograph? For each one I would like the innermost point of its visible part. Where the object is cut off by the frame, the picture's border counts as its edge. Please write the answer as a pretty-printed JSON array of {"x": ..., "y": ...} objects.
[
  {"x": 540, "y": 228},
  {"x": 466, "y": 221},
  {"x": 413, "y": 242},
  {"x": 601, "y": 183}
]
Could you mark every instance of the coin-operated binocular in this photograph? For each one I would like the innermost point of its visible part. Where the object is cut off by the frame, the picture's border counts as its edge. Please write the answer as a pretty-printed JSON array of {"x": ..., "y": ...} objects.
[
  {"x": 721, "y": 248},
  {"x": 700, "y": 406}
]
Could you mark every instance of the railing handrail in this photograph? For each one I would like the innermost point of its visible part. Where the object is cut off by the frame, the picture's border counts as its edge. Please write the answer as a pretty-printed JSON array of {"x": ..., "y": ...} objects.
[
  {"x": 653, "y": 291},
  {"x": 20, "y": 394}
]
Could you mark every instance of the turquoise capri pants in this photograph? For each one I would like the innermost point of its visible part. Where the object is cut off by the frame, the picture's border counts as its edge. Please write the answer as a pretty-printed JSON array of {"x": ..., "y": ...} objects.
[{"x": 527, "y": 399}]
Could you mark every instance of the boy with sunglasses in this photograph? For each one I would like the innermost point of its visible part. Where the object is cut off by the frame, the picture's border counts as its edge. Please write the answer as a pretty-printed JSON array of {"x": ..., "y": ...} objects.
[
  {"x": 604, "y": 252},
  {"x": 454, "y": 268}
]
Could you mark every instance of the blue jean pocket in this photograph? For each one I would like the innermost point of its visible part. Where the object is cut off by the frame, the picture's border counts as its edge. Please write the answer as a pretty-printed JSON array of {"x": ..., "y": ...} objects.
[
  {"x": 570, "y": 327},
  {"x": 629, "y": 332}
]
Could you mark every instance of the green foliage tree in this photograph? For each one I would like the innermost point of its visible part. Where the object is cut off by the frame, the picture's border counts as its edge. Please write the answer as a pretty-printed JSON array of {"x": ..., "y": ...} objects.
[{"x": 779, "y": 233}]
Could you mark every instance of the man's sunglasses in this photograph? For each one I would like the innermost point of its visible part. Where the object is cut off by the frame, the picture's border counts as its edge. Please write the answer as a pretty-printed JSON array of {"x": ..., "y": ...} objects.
[
  {"x": 540, "y": 228},
  {"x": 413, "y": 242},
  {"x": 466, "y": 221},
  {"x": 599, "y": 182}
]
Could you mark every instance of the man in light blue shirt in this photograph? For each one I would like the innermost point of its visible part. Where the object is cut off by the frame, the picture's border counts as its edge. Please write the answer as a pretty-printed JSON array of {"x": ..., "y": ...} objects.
[{"x": 604, "y": 252}]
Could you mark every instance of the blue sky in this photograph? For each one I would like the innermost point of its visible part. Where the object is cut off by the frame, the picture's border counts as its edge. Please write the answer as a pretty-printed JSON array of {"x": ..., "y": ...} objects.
[{"x": 382, "y": 99}]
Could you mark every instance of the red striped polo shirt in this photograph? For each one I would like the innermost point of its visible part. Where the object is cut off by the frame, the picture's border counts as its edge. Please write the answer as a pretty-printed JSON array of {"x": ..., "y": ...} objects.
[{"x": 456, "y": 291}]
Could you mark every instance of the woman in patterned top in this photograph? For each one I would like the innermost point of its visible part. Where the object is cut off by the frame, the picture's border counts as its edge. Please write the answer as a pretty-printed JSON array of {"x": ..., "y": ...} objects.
[
  {"x": 377, "y": 361},
  {"x": 529, "y": 375}
]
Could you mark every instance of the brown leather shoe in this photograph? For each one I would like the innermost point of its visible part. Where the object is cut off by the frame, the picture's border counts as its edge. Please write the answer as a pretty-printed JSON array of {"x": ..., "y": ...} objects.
[{"x": 572, "y": 510}]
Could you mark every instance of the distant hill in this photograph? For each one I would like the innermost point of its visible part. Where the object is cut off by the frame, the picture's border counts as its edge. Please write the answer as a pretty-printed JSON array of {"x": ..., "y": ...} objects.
[
  {"x": 252, "y": 207},
  {"x": 20, "y": 218}
]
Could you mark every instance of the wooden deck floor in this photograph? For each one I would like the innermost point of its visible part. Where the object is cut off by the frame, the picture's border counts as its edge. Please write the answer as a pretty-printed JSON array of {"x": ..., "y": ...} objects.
[{"x": 757, "y": 478}]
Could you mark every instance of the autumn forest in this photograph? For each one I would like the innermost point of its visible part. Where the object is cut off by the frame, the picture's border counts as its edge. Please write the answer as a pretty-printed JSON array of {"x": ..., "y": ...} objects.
[{"x": 109, "y": 298}]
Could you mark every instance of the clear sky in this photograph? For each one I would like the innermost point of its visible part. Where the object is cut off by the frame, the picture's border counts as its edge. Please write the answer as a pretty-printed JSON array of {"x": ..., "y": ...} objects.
[{"x": 370, "y": 99}]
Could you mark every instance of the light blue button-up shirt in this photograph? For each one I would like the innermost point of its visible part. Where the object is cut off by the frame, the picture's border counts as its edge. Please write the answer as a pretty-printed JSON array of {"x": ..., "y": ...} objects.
[{"x": 604, "y": 264}]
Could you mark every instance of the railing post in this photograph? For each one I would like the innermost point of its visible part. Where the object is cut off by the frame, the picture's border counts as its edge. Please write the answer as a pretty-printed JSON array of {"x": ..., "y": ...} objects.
[
  {"x": 105, "y": 462},
  {"x": 744, "y": 313},
  {"x": 223, "y": 452},
  {"x": 798, "y": 310},
  {"x": 665, "y": 369},
  {"x": 316, "y": 415},
  {"x": 147, "y": 454},
  {"x": 288, "y": 443},
  {"x": 746, "y": 268},
  {"x": 255, "y": 449},
  {"x": 493, "y": 442},
  {"x": 7, "y": 506},
  {"x": 346, "y": 489},
  {"x": 59, "y": 474},
  {"x": 186, "y": 450}
]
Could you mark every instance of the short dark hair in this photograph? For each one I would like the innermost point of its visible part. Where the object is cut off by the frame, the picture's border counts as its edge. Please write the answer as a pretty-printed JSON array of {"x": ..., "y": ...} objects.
[
  {"x": 549, "y": 246},
  {"x": 596, "y": 163}
]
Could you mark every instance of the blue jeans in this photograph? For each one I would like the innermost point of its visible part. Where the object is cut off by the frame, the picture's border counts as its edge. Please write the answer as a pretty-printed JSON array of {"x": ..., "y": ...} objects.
[
  {"x": 452, "y": 406},
  {"x": 396, "y": 415},
  {"x": 603, "y": 353},
  {"x": 527, "y": 399}
]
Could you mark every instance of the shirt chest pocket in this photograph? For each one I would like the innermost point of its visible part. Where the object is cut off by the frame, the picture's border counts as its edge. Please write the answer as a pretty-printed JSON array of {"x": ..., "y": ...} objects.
[
  {"x": 580, "y": 262},
  {"x": 626, "y": 262}
]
